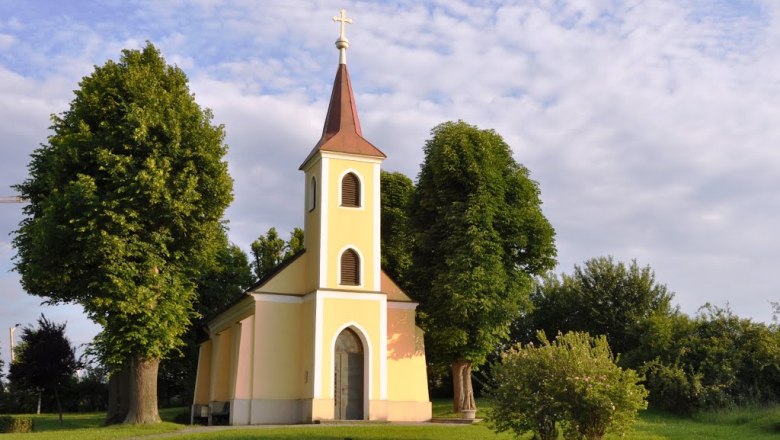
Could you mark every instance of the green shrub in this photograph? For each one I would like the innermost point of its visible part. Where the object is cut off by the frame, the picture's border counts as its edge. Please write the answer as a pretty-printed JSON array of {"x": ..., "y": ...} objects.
[
  {"x": 573, "y": 380},
  {"x": 520, "y": 392},
  {"x": 16, "y": 424},
  {"x": 716, "y": 360},
  {"x": 671, "y": 388}
]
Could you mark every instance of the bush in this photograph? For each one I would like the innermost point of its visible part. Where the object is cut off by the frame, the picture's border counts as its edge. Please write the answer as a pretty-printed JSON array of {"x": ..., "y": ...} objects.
[
  {"x": 573, "y": 381},
  {"x": 15, "y": 424},
  {"x": 671, "y": 388},
  {"x": 714, "y": 361}
]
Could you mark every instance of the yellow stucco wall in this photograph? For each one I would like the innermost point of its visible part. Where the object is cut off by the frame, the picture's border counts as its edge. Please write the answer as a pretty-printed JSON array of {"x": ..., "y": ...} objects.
[
  {"x": 351, "y": 226},
  {"x": 338, "y": 313},
  {"x": 203, "y": 376},
  {"x": 406, "y": 374},
  {"x": 277, "y": 353},
  {"x": 242, "y": 384},
  {"x": 306, "y": 368},
  {"x": 312, "y": 225},
  {"x": 293, "y": 280},
  {"x": 222, "y": 361}
]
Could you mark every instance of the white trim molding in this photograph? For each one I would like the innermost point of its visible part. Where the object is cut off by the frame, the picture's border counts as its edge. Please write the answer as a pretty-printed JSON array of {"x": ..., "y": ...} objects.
[
  {"x": 402, "y": 305},
  {"x": 377, "y": 263},
  {"x": 271, "y": 297},
  {"x": 320, "y": 296},
  {"x": 353, "y": 157},
  {"x": 383, "y": 347},
  {"x": 324, "y": 212}
]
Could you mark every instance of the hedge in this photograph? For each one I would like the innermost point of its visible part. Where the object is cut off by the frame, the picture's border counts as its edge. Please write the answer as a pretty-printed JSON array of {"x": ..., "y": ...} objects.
[{"x": 16, "y": 424}]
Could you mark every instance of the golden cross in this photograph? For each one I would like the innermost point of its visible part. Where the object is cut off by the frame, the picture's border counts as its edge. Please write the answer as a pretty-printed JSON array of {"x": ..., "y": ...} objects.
[{"x": 344, "y": 20}]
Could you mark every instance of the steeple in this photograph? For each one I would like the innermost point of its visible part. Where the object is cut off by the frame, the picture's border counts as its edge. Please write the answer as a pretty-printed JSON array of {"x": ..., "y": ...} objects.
[{"x": 341, "y": 132}]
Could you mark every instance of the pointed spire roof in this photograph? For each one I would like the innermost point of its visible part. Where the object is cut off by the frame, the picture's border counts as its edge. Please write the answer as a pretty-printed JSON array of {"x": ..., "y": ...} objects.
[{"x": 341, "y": 132}]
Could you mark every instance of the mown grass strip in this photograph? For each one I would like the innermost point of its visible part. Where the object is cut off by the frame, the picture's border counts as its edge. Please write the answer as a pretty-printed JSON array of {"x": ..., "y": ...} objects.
[{"x": 753, "y": 423}]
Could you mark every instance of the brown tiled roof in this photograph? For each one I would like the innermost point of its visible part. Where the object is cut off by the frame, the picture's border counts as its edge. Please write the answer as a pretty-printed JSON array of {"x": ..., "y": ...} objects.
[{"x": 341, "y": 132}]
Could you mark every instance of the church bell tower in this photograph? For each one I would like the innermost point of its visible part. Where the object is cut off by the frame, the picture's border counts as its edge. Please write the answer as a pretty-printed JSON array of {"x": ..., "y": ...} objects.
[{"x": 342, "y": 212}]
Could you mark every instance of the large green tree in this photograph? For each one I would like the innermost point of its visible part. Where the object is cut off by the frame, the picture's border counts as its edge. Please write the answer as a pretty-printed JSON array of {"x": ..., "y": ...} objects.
[
  {"x": 602, "y": 297},
  {"x": 480, "y": 237},
  {"x": 45, "y": 360},
  {"x": 397, "y": 236},
  {"x": 125, "y": 205}
]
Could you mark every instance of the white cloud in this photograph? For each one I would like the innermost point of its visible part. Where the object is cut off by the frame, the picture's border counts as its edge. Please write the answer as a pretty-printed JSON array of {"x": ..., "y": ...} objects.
[
  {"x": 6, "y": 41},
  {"x": 651, "y": 126}
]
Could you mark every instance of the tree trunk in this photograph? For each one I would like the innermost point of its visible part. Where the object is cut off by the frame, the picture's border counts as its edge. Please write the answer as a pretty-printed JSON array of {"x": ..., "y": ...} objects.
[
  {"x": 59, "y": 405},
  {"x": 463, "y": 393},
  {"x": 118, "y": 396},
  {"x": 40, "y": 393},
  {"x": 112, "y": 408},
  {"x": 143, "y": 392}
]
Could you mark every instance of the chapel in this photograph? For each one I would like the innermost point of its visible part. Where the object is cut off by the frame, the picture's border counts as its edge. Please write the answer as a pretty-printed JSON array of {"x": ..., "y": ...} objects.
[{"x": 328, "y": 335}]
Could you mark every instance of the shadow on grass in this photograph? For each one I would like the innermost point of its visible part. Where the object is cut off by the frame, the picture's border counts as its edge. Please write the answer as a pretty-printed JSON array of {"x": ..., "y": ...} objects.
[
  {"x": 90, "y": 426},
  {"x": 50, "y": 422}
]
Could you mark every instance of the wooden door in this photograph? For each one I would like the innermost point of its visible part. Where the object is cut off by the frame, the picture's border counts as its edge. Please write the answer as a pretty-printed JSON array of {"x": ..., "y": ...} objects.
[{"x": 348, "y": 380}]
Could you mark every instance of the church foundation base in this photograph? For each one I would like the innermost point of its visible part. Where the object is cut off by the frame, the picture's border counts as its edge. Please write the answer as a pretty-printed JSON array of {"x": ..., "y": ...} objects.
[
  {"x": 377, "y": 410},
  {"x": 282, "y": 412},
  {"x": 408, "y": 411},
  {"x": 240, "y": 411},
  {"x": 293, "y": 411},
  {"x": 314, "y": 410}
]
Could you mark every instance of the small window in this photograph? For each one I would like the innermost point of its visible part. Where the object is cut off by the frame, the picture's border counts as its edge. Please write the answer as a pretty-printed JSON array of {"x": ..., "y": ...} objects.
[
  {"x": 350, "y": 191},
  {"x": 312, "y": 194},
  {"x": 350, "y": 268}
]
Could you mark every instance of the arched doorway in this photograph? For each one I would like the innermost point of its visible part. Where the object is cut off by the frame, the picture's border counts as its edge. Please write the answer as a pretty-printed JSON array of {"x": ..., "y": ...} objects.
[{"x": 348, "y": 377}]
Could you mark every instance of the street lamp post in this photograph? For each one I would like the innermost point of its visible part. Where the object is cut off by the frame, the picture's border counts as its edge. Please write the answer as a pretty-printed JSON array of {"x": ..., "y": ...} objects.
[{"x": 11, "y": 332}]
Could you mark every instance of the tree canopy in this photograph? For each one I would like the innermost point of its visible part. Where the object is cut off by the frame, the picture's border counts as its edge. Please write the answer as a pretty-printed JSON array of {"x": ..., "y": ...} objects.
[
  {"x": 397, "y": 237},
  {"x": 125, "y": 203},
  {"x": 45, "y": 359},
  {"x": 601, "y": 297},
  {"x": 270, "y": 250},
  {"x": 480, "y": 236}
]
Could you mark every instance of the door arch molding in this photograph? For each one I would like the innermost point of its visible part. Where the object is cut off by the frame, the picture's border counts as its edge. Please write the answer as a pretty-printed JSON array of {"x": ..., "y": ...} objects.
[{"x": 367, "y": 364}]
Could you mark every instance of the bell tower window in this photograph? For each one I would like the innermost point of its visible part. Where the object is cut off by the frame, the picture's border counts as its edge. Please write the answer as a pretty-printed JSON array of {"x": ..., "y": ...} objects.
[
  {"x": 312, "y": 193},
  {"x": 350, "y": 191},
  {"x": 350, "y": 268}
]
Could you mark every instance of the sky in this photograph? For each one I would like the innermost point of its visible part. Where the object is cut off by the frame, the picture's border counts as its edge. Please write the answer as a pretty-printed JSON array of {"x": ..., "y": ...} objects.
[{"x": 650, "y": 126}]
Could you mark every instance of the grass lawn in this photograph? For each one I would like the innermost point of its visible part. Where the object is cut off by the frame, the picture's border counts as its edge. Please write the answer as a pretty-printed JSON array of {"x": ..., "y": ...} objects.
[
  {"x": 743, "y": 424},
  {"x": 89, "y": 426}
]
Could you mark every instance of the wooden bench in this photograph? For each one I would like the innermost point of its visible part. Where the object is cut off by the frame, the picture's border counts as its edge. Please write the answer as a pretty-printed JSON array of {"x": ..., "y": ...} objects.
[
  {"x": 219, "y": 413},
  {"x": 200, "y": 414}
]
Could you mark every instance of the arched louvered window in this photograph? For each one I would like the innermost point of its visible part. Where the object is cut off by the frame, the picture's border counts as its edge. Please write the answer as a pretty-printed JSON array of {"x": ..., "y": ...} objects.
[
  {"x": 350, "y": 191},
  {"x": 312, "y": 194},
  {"x": 350, "y": 268}
]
